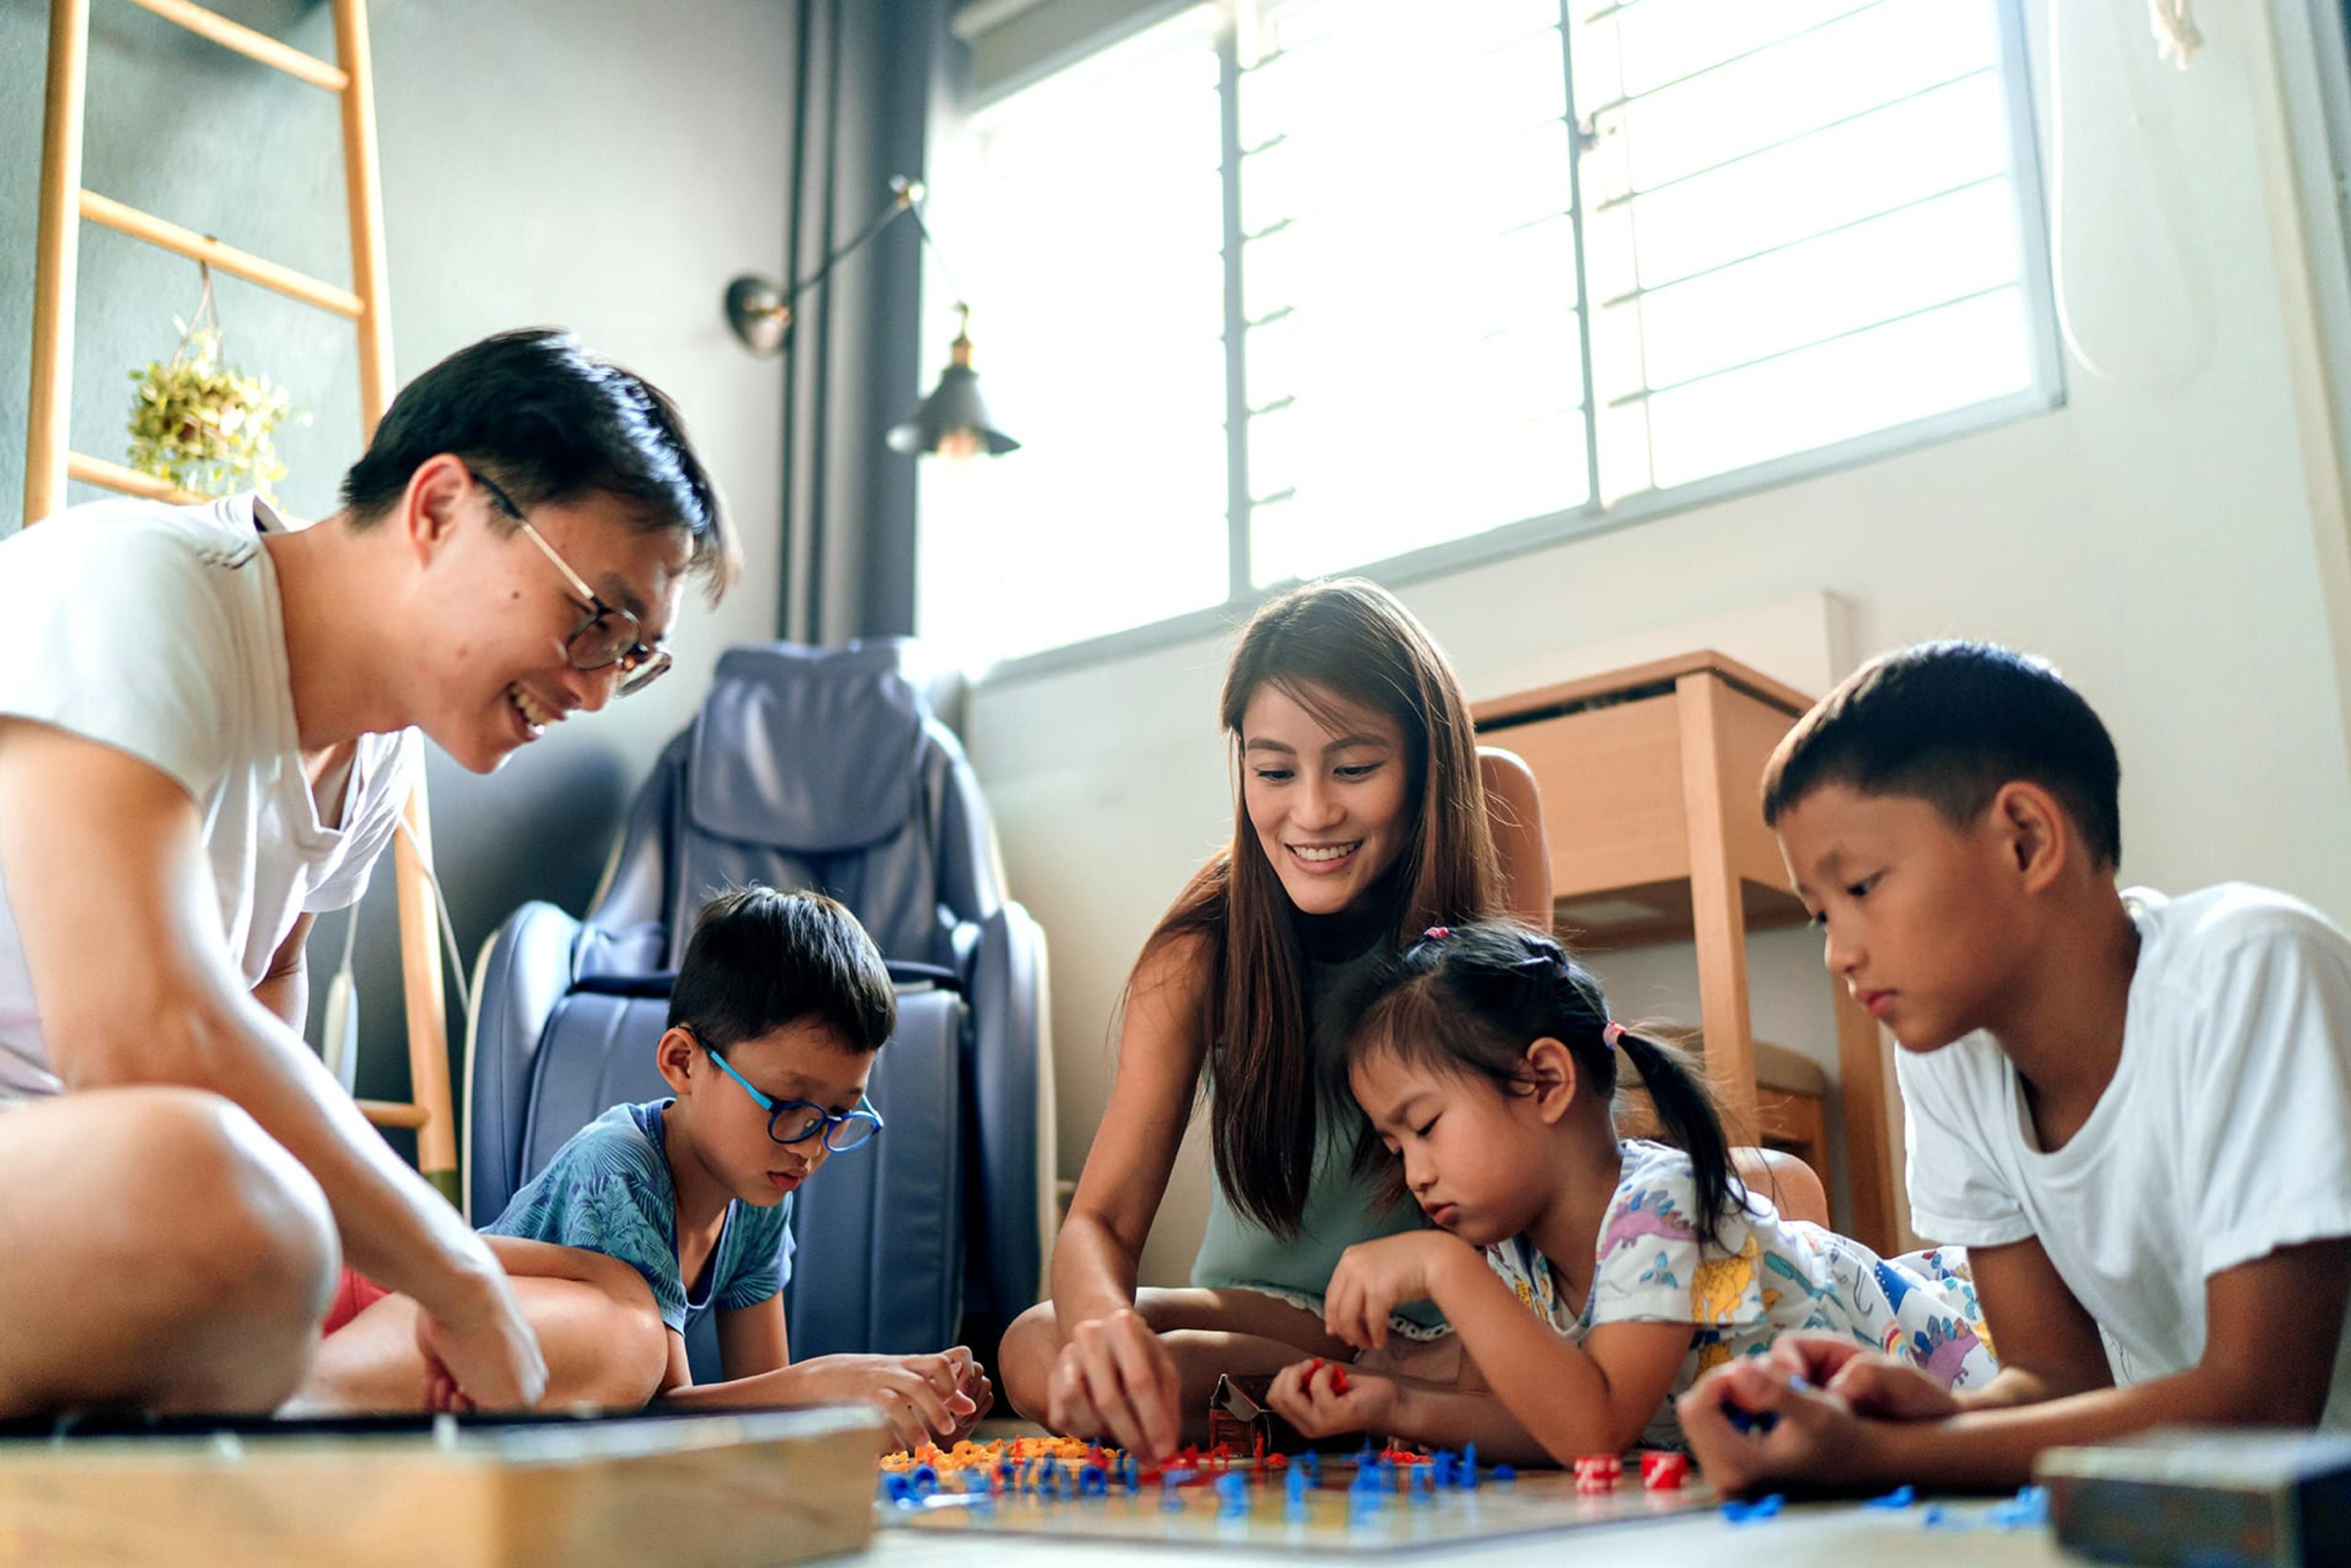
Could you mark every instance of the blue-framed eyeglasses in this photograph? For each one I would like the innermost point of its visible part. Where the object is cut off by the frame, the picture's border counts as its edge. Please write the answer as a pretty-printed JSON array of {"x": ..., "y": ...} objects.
[{"x": 797, "y": 1120}]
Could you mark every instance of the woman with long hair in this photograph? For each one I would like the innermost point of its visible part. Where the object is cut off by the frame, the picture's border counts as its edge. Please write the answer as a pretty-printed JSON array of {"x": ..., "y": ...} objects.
[{"x": 1365, "y": 813}]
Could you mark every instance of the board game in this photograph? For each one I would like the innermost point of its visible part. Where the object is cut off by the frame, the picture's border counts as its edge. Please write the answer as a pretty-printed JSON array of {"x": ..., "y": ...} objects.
[
  {"x": 1383, "y": 1501},
  {"x": 744, "y": 1488}
]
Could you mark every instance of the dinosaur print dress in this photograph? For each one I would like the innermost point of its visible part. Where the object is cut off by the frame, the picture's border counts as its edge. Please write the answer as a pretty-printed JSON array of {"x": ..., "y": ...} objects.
[{"x": 1763, "y": 1277}]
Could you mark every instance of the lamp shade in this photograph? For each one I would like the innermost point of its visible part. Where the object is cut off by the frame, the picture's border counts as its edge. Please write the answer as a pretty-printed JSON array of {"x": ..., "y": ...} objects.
[{"x": 952, "y": 421}]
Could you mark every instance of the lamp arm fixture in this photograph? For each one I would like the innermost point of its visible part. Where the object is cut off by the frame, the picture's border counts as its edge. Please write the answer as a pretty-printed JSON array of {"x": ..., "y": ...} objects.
[{"x": 761, "y": 314}]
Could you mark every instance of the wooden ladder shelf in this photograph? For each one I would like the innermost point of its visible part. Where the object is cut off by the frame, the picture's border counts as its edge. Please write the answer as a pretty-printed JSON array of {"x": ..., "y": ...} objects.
[{"x": 50, "y": 462}]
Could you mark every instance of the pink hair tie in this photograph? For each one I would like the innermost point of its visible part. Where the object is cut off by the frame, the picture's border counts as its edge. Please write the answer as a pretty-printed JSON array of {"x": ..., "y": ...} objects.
[
  {"x": 1611, "y": 1032},
  {"x": 1437, "y": 933}
]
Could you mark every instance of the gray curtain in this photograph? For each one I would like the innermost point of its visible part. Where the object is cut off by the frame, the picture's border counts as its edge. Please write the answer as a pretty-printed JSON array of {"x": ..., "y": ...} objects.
[{"x": 865, "y": 72}]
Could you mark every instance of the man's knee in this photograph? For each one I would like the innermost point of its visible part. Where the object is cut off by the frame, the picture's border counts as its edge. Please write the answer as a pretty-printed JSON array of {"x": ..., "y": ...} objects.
[{"x": 233, "y": 1212}]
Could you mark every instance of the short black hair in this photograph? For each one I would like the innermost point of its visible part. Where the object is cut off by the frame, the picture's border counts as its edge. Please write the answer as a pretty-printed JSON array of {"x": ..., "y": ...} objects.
[
  {"x": 550, "y": 423},
  {"x": 760, "y": 960},
  {"x": 1951, "y": 723}
]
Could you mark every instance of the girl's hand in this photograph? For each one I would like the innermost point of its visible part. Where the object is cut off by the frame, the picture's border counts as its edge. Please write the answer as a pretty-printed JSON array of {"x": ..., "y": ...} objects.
[
  {"x": 1322, "y": 1399},
  {"x": 1114, "y": 1379},
  {"x": 1373, "y": 1277}
]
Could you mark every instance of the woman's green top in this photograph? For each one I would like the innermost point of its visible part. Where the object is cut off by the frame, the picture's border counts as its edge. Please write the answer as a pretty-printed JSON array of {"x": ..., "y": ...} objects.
[{"x": 1342, "y": 1208}]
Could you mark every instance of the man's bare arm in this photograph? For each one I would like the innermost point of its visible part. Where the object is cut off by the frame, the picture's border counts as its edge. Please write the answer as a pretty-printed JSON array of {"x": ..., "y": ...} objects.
[
  {"x": 285, "y": 989},
  {"x": 114, "y": 902}
]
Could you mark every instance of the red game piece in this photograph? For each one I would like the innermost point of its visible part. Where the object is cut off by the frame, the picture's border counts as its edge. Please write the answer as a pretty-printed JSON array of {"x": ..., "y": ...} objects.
[
  {"x": 1598, "y": 1473},
  {"x": 1338, "y": 1378},
  {"x": 1664, "y": 1472}
]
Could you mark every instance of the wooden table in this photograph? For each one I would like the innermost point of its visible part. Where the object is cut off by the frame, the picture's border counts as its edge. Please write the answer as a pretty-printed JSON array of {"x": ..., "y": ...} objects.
[{"x": 1650, "y": 777}]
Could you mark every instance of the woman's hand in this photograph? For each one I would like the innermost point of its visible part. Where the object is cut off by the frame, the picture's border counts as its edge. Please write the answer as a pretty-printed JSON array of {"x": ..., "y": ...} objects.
[
  {"x": 1374, "y": 1276},
  {"x": 1114, "y": 1379},
  {"x": 1323, "y": 1399},
  {"x": 972, "y": 1384}
]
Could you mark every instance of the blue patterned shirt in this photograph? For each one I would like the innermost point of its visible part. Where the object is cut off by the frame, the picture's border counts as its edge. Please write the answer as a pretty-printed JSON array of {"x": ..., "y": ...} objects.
[{"x": 607, "y": 1189}]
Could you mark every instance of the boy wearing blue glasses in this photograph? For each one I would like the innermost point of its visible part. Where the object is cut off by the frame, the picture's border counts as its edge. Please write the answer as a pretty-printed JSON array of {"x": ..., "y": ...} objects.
[{"x": 780, "y": 1003}]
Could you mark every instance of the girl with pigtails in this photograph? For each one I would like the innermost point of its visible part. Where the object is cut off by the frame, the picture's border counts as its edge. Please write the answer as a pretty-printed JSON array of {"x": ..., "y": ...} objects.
[{"x": 1590, "y": 1277}]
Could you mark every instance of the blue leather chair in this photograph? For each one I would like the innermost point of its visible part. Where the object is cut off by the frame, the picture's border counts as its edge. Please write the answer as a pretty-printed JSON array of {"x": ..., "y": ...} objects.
[{"x": 826, "y": 769}]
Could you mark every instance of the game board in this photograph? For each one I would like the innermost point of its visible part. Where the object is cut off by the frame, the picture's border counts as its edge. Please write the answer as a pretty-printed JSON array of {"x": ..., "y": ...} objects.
[{"x": 1249, "y": 1502}]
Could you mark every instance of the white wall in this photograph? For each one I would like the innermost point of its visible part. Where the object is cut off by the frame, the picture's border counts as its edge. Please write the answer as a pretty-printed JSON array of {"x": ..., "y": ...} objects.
[
  {"x": 2155, "y": 537},
  {"x": 603, "y": 165}
]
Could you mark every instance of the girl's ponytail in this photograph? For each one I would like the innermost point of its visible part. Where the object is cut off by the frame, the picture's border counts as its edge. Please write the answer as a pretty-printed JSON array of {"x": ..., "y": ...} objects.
[
  {"x": 1686, "y": 1107},
  {"x": 1471, "y": 999}
]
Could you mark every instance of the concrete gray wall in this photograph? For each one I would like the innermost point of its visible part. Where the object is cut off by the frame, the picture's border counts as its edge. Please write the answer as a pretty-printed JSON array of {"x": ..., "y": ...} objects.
[{"x": 605, "y": 165}]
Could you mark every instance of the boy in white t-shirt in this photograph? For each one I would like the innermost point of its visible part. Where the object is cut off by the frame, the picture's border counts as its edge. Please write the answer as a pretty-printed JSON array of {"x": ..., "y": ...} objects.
[
  {"x": 206, "y": 736},
  {"x": 2135, "y": 1111}
]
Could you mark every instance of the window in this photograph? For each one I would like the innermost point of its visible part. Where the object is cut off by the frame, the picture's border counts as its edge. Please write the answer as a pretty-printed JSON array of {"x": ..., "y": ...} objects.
[{"x": 1495, "y": 264}]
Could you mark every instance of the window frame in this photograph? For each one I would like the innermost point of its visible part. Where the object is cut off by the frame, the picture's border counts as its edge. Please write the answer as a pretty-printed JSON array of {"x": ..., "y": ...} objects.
[{"x": 2045, "y": 395}]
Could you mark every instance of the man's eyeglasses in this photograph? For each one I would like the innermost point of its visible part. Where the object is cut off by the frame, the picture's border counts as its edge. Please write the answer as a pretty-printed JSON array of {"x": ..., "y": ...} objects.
[
  {"x": 609, "y": 635},
  {"x": 797, "y": 1120}
]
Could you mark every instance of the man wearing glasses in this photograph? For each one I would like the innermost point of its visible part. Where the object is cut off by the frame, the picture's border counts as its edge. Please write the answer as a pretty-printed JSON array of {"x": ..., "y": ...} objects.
[{"x": 206, "y": 737}]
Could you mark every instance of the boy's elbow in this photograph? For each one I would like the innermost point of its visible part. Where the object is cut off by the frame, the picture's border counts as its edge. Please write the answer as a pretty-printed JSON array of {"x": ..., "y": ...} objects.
[{"x": 2262, "y": 1398}]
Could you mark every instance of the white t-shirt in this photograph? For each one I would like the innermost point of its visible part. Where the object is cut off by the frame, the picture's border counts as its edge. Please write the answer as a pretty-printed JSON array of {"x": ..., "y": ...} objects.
[
  {"x": 158, "y": 631},
  {"x": 2225, "y": 1135}
]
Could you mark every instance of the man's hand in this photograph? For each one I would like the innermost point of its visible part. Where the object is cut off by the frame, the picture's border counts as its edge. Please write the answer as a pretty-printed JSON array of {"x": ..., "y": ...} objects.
[
  {"x": 481, "y": 1354},
  {"x": 1374, "y": 1276},
  {"x": 1115, "y": 1380},
  {"x": 1322, "y": 1399}
]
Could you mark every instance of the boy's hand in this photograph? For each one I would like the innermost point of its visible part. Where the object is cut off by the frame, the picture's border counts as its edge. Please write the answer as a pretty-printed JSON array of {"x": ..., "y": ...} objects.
[
  {"x": 973, "y": 1391},
  {"x": 1307, "y": 1395},
  {"x": 1373, "y": 1277},
  {"x": 1870, "y": 1383},
  {"x": 1798, "y": 1433},
  {"x": 917, "y": 1394}
]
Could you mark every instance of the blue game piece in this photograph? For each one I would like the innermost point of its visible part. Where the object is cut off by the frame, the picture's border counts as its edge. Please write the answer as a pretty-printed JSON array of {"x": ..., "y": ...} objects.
[
  {"x": 896, "y": 1488},
  {"x": 925, "y": 1481},
  {"x": 1443, "y": 1466},
  {"x": 2028, "y": 1509},
  {"x": 1423, "y": 1493},
  {"x": 1900, "y": 1497},
  {"x": 1745, "y": 1420},
  {"x": 1094, "y": 1481},
  {"x": 1762, "y": 1508},
  {"x": 1232, "y": 1496},
  {"x": 1470, "y": 1467},
  {"x": 1505, "y": 1474},
  {"x": 1312, "y": 1463}
]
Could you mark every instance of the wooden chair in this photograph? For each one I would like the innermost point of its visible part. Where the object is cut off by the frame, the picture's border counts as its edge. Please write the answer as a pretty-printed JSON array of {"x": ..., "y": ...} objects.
[{"x": 49, "y": 462}]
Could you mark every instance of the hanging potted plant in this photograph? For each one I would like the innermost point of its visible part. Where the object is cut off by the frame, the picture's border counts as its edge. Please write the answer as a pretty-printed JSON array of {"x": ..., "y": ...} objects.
[{"x": 202, "y": 424}]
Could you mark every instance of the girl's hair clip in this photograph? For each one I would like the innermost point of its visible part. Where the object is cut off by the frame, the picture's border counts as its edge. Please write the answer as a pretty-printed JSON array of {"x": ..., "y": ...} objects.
[
  {"x": 1437, "y": 933},
  {"x": 1610, "y": 1033}
]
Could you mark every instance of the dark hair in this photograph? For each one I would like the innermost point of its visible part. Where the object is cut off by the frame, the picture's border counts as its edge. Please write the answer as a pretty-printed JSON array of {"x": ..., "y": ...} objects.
[
  {"x": 1950, "y": 723},
  {"x": 1348, "y": 640},
  {"x": 760, "y": 959},
  {"x": 550, "y": 423},
  {"x": 1471, "y": 999}
]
